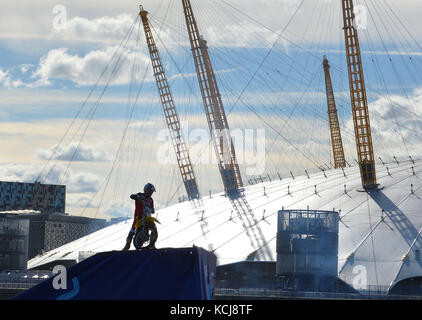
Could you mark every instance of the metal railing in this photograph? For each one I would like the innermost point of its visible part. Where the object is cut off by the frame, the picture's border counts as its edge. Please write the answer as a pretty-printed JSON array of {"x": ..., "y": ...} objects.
[
  {"x": 17, "y": 285},
  {"x": 273, "y": 293},
  {"x": 22, "y": 279}
]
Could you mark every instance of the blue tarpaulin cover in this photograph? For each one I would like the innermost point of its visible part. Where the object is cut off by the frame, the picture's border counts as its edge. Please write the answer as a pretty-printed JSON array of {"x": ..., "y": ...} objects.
[{"x": 163, "y": 274}]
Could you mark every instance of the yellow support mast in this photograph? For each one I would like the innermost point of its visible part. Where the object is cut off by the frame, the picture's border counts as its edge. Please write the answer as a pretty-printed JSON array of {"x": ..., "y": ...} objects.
[
  {"x": 214, "y": 109},
  {"x": 336, "y": 140},
  {"x": 170, "y": 113},
  {"x": 359, "y": 100}
]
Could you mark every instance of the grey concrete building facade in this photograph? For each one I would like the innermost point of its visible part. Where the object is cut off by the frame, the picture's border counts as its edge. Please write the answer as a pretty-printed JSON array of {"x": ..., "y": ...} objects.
[{"x": 14, "y": 235}]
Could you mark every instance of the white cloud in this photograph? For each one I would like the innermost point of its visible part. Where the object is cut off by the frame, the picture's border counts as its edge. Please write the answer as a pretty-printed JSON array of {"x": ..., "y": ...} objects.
[
  {"x": 255, "y": 37},
  {"x": 25, "y": 67},
  {"x": 118, "y": 208},
  {"x": 78, "y": 200},
  {"x": 85, "y": 70},
  {"x": 109, "y": 207},
  {"x": 105, "y": 22},
  {"x": 101, "y": 29},
  {"x": 3, "y": 75},
  {"x": 19, "y": 172},
  {"x": 44, "y": 97},
  {"x": 80, "y": 182},
  {"x": 396, "y": 124},
  {"x": 7, "y": 81},
  {"x": 73, "y": 152},
  {"x": 112, "y": 29}
]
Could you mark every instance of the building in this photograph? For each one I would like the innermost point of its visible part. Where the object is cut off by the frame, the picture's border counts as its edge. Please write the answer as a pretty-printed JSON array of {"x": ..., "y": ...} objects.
[
  {"x": 32, "y": 196},
  {"x": 13, "y": 243},
  {"x": 42, "y": 206},
  {"x": 48, "y": 231}
]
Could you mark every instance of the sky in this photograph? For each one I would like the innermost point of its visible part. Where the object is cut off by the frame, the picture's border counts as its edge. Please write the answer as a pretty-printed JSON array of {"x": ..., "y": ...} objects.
[{"x": 79, "y": 106}]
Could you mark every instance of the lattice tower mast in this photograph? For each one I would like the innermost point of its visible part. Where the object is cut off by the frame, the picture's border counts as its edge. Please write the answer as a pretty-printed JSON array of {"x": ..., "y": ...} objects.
[
  {"x": 213, "y": 104},
  {"x": 336, "y": 140},
  {"x": 358, "y": 98},
  {"x": 170, "y": 113}
]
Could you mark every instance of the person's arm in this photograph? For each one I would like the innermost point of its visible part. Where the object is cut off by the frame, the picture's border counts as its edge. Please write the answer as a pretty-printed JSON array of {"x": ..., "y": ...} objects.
[
  {"x": 153, "y": 209},
  {"x": 135, "y": 196}
]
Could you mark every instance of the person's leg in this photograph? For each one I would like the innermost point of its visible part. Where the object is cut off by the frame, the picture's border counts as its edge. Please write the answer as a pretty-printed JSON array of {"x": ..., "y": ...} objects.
[
  {"x": 152, "y": 245},
  {"x": 129, "y": 239}
]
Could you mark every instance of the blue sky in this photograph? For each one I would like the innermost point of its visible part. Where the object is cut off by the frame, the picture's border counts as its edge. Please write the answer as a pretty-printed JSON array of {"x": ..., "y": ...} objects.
[{"x": 263, "y": 67}]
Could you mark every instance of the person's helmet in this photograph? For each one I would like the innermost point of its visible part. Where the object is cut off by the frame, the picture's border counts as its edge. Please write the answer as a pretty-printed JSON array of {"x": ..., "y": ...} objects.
[{"x": 149, "y": 188}]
